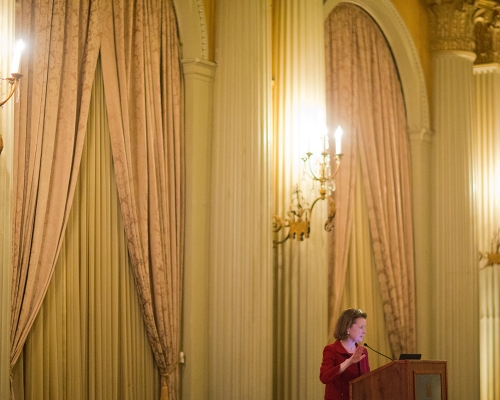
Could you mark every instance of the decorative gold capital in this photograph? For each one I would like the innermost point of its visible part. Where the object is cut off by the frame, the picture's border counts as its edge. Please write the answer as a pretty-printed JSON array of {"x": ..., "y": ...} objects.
[
  {"x": 466, "y": 25},
  {"x": 487, "y": 31},
  {"x": 452, "y": 24}
]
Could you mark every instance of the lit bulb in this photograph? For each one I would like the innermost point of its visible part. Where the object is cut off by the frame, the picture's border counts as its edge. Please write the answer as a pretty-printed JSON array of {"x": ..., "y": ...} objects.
[{"x": 16, "y": 60}]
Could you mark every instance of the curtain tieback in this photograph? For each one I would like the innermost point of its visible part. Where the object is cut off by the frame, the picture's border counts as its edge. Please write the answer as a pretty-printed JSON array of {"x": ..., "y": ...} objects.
[{"x": 164, "y": 376}]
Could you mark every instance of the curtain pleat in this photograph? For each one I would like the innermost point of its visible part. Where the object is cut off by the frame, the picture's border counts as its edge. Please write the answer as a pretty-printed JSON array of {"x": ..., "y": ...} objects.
[
  {"x": 146, "y": 120},
  {"x": 89, "y": 340},
  {"x": 141, "y": 68},
  {"x": 63, "y": 38},
  {"x": 342, "y": 109},
  {"x": 364, "y": 96},
  {"x": 361, "y": 278},
  {"x": 6, "y": 182},
  {"x": 300, "y": 269}
]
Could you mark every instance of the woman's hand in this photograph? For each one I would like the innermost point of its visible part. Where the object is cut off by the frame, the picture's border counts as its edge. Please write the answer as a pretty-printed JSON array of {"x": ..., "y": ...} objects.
[{"x": 358, "y": 355}]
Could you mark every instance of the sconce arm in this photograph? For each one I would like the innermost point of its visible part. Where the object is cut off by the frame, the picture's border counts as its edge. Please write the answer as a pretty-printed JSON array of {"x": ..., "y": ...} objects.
[
  {"x": 332, "y": 210},
  {"x": 13, "y": 82},
  {"x": 492, "y": 258}
]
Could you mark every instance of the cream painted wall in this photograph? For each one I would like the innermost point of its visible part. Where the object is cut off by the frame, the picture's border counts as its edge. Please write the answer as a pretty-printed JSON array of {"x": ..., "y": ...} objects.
[{"x": 416, "y": 18}]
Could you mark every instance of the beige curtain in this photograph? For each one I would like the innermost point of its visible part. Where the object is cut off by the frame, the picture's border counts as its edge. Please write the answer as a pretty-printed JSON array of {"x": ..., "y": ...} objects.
[
  {"x": 63, "y": 40},
  {"x": 89, "y": 340},
  {"x": 362, "y": 289},
  {"x": 6, "y": 181},
  {"x": 143, "y": 87},
  {"x": 364, "y": 96}
]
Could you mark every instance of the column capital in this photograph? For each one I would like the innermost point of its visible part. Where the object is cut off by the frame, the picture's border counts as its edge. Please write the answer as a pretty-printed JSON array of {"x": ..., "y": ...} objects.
[
  {"x": 487, "y": 31},
  {"x": 195, "y": 67},
  {"x": 452, "y": 24}
]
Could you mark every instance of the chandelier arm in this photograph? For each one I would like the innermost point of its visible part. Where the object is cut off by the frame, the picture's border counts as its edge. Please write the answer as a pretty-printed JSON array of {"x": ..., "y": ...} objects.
[
  {"x": 337, "y": 162},
  {"x": 308, "y": 169},
  {"x": 332, "y": 210},
  {"x": 313, "y": 204},
  {"x": 13, "y": 82},
  {"x": 277, "y": 242},
  {"x": 310, "y": 175},
  {"x": 323, "y": 178},
  {"x": 13, "y": 87},
  {"x": 279, "y": 223}
]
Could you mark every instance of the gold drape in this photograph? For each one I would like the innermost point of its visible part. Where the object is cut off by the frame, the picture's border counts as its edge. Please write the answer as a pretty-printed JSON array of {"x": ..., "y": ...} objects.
[
  {"x": 143, "y": 86},
  {"x": 140, "y": 53},
  {"x": 88, "y": 340},
  {"x": 50, "y": 128},
  {"x": 364, "y": 96},
  {"x": 6, "y": 165}
]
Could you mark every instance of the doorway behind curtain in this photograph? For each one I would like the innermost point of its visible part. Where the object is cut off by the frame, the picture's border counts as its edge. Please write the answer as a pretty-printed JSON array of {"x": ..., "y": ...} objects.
[{"x": 89, "y": 340}]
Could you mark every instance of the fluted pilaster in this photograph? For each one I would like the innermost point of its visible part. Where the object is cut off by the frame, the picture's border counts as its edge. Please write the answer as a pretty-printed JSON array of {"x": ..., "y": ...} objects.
[
  {"x": 301, "y": 268},
  {"x": 198, "y": 84},
  {"x": 453, "y": 241},
  {"x": 487, "y": 165},
  {"x": 240, "y": 279},
  {"x": 421, "y": 165},
  {"x": 455, "y": 251}
]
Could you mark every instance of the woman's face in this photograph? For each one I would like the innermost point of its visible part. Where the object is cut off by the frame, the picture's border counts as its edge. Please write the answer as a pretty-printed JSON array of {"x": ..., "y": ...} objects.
[{"x": 357, "y": 330}]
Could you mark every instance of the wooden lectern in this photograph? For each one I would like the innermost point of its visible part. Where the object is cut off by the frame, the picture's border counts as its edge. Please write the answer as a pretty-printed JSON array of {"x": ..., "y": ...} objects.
[{"x": 402, "y": 380}]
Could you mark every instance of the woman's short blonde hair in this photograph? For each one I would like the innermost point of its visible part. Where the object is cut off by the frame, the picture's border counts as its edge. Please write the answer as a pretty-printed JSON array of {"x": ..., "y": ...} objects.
[{"x": 345, "y": 321}]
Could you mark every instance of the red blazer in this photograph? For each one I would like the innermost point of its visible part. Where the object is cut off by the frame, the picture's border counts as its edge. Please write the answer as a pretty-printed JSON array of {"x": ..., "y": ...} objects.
[{"x": 337, "y": 384}]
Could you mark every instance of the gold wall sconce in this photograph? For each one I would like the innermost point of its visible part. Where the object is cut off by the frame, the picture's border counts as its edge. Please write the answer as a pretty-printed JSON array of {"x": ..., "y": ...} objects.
[
  {"x": 13, "y": 79},
  {"x": 298, "y": 220},
  {"x": 493, "y": 257}
]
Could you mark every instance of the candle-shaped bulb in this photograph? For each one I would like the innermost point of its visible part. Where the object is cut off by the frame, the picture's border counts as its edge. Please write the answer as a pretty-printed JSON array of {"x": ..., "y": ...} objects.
[
  {"x": 16, "y": 60},
  {"x": 338, "y": 140},
  {"x": 326, "y": 142}
]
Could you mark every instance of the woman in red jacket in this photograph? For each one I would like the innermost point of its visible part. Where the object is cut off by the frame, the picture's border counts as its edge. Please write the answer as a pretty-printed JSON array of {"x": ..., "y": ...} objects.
[{"x": 344, "y": 360}]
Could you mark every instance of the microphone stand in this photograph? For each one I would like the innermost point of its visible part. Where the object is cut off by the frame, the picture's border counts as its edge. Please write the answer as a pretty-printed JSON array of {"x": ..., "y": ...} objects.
[{"x": 366, "y": 345}]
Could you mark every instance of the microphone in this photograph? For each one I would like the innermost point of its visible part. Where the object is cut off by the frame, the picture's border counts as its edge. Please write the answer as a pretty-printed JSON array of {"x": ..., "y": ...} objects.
[{"x": 366, "y": 345}]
